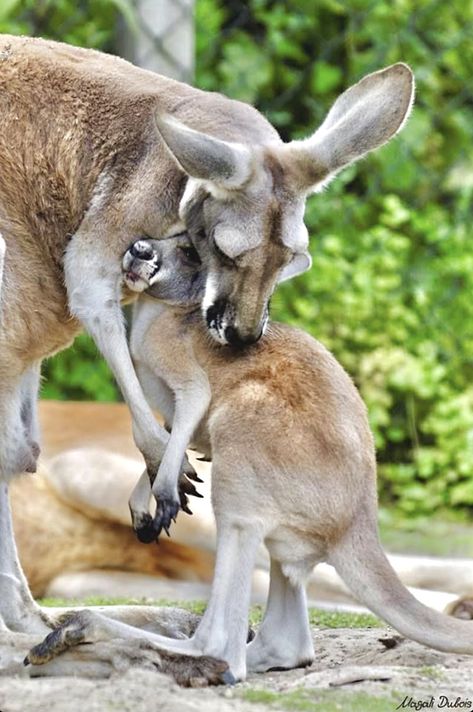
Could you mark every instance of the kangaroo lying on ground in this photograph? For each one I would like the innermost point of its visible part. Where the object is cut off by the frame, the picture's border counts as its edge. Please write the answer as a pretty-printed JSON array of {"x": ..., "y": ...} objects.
[
  {"x": 95, "y": 153},
  {"x": 293, "y": 467}
]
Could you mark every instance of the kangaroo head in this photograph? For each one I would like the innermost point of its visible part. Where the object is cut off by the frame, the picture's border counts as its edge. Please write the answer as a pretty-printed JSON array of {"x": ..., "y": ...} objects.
[{"x": 243, "y": 205}]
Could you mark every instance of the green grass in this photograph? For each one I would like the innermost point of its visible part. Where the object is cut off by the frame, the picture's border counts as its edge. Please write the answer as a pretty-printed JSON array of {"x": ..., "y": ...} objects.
[
  {"x": 303, "y": 700},
  {"x": 330, "y": 619},
  {"x": 317, "y": 617},
  {"x": 193, "y": 606},
  {"x": 432, "y": 672}
]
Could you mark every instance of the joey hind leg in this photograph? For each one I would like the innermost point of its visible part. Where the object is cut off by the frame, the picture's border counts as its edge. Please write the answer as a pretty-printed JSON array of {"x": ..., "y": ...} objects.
[
  {"x": 223, "y": 630},
  {"x": 283, "y": 640}
]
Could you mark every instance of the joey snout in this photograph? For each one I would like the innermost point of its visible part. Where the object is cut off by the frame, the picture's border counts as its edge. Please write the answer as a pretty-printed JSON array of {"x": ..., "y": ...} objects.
[{"x": 140, "y": 265}]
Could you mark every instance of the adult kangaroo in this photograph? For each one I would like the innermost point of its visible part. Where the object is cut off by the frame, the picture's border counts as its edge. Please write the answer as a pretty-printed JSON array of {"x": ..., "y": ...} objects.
[{"x": 95, "y": 153}]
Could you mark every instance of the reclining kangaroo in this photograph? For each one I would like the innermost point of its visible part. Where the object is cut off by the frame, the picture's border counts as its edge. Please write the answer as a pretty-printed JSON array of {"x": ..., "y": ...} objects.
[
  {"x": 293, "y": 466},
  {"x": 95, "y": 153}
]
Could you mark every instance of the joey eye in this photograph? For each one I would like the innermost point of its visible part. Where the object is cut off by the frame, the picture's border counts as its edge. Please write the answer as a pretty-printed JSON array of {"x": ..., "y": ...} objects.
[{"x": 191, "y": 254}]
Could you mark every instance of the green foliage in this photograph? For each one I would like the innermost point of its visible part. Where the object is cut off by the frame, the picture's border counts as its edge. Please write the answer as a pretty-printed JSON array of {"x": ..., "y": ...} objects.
[
  {"x": 79, "y": 373},
  {"x": 390, "y": 288},
  {"x": 88, "y": 24}
]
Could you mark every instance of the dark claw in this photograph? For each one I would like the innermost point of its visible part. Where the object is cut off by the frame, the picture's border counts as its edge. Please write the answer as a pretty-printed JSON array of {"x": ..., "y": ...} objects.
[
  {"x": 203, "y": 459},
  {"x": 189, "y": 488},
  {"x": 26, "y": 661},
  {"x": 166, "y": 512},
  {"x": 193, "y": 475}
]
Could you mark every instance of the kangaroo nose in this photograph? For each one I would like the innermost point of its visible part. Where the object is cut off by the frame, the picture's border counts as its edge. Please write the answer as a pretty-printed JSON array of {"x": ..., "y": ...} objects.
[
  {"x": 234, "y": 338},
  {"x": 141, "y": 250}
]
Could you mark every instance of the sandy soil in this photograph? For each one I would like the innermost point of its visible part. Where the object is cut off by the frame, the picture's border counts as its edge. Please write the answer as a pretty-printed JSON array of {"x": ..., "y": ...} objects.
[{"x": 353, "y": 670}]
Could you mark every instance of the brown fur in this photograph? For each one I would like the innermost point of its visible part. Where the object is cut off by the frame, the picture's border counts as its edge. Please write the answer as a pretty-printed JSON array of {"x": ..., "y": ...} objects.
[
  {"x": 52, "y": 152},
  {"x": 293, "y": 466}
]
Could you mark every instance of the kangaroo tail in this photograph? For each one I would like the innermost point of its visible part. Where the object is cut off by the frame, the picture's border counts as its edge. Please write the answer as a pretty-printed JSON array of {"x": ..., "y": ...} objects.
[{"x": 360, "y": 561}]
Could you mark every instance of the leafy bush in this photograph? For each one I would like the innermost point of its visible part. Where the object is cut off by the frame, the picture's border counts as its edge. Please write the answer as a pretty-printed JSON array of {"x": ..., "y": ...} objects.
[{"x": 390, "y": 289}]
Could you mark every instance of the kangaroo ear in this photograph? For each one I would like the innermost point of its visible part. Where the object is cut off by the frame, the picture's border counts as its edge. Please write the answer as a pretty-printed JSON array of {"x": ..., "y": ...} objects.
[
  {"x": 300, "y": 263},
  {"x": 226, "y": 164},
  {"x": 363, "y": 118}
]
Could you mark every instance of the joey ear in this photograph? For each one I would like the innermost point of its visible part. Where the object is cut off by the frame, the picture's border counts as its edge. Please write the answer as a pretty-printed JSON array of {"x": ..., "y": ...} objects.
[
  {"x": 226, "y": 164},
  {"x": 364, "y": 117},
  {"x": 301, "y": 262}
]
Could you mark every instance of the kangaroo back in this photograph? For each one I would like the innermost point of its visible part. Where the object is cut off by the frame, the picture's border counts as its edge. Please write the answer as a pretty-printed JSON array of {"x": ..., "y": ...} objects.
[{"x": 362, "y": 564}]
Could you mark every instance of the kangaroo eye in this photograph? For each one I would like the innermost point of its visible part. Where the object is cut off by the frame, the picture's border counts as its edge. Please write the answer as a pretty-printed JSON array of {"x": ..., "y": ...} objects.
[{"x": 222, "y": 256}]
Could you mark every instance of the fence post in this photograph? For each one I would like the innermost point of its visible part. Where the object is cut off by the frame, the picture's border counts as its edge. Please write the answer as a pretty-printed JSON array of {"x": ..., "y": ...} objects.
[{"x": 162, "y": 39}]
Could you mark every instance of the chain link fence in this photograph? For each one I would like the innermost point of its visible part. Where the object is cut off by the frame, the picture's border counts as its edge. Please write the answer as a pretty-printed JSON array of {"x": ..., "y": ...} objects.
[{"x": 160, "y": 37}]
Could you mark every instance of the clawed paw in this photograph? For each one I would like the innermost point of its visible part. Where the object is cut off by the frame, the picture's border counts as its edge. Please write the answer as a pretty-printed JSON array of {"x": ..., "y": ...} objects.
[
  {"x": 144, "y": 528},
  {"x": 168, "y": 506},
  {"x": 71, "y": 632},
  {"x": 167, "y": 509},
  {"x": 190, "y": 671}
]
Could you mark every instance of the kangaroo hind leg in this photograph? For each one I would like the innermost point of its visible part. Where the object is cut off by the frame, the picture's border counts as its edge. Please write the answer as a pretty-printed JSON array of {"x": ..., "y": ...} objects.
[{"x": 283, "y": 640}]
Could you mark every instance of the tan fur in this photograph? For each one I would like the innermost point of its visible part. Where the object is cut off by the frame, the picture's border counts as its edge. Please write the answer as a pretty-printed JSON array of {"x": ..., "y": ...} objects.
[
  {"x": 293, "y": 465},
  {"x": 285, "y": 399},
  {"x": 52, "y": 153},
  {"x": 85, "y": 171}
]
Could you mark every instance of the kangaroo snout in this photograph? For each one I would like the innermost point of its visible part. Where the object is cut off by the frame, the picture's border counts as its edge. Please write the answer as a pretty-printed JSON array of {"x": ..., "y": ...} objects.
[
  {"x": 223, "y": 324},
  {"x": 236, "y": 338}
]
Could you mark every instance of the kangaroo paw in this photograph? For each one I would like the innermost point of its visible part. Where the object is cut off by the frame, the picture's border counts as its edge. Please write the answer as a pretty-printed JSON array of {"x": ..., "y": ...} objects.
[{"x": 190, "y": 671}]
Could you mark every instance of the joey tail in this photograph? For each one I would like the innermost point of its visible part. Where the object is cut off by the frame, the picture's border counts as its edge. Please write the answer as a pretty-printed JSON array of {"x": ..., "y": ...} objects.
[{"x": 360, "y": 561}]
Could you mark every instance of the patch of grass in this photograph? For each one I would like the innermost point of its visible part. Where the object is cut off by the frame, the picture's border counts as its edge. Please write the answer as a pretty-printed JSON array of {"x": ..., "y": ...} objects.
[
  {"x": 331, "y": 619},
  {"x": 432, "y": 672},
  {"x": 193, "y": 606},
  {"x": 317, "y": 617},
  {"x": 305, "y": 700}
]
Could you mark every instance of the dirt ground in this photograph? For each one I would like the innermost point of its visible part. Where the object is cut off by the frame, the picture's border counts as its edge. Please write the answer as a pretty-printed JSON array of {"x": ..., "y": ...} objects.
[{"x": 353, "y": 671}]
